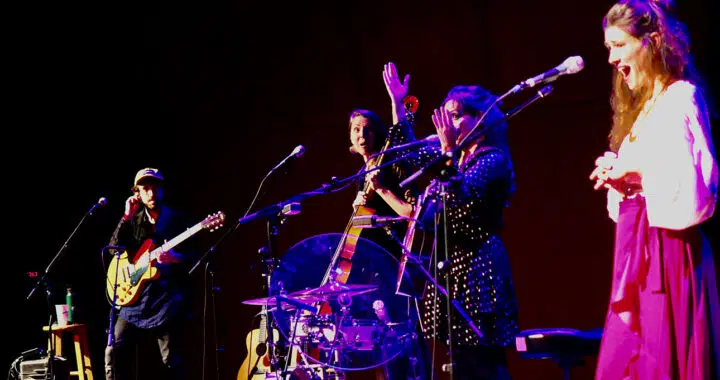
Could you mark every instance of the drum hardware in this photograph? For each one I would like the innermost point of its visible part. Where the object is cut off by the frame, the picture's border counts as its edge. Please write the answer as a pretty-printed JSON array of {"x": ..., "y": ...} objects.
[{"x": 351, "y": 337}]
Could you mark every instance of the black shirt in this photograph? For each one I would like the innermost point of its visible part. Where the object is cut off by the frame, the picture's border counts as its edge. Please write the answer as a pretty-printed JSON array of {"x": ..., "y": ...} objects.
[{"x": 163, "y": 298}]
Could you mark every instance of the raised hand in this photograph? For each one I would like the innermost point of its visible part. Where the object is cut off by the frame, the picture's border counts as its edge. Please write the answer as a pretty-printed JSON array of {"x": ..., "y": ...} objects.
[
  {"x": 446, "y": 130},
  {"x": 395, "y": 88},
  {"x": 132, "y": 204}
]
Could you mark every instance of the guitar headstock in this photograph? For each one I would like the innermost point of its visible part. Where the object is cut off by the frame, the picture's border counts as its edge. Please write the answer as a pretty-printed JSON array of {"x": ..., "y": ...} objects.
[{"x": 214, "y": 221}]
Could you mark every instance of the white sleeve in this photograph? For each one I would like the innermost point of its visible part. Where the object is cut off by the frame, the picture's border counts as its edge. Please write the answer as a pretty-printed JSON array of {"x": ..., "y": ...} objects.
[
  {"x": 613, "y": 204},
  {"x": 679, "y": 170}
]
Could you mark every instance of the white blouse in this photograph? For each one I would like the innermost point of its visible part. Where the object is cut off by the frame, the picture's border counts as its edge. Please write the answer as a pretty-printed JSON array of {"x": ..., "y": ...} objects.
[{"x": 674, "y": 152}]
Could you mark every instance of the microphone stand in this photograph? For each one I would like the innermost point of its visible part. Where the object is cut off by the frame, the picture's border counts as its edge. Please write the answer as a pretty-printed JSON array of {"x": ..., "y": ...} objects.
[
  {"x": 43, "y": 280},
  {"x": 448, "y": 174},
  {"x": 473, "y": 136},
  {"x": 444, "y": 182},
  {"x": 113, "y": 303},
  {"x": 273, "y": 209},
  {"x": 267, "y": 256},
  {"x": 292, "y": 205},
  {"x": 276, "y": 216}
]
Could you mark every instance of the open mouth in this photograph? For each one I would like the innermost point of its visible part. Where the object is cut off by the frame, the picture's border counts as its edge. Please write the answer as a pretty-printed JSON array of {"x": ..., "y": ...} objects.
[{"x": 625, "y": 71}]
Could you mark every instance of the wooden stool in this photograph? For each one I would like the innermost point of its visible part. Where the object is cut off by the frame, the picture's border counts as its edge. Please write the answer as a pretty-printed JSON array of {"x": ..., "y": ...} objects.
[{"x": 82, "y": 354}]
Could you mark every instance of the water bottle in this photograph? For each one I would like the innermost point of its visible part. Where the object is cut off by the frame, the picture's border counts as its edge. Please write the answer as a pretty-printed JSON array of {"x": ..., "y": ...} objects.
[{"x": 69, "y": 302}]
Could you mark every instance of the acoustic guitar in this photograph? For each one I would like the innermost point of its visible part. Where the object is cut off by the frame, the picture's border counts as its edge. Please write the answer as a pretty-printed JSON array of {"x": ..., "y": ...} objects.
[
  {"x": 131, "y": 277},
  {"x": 257, "y": 361}
]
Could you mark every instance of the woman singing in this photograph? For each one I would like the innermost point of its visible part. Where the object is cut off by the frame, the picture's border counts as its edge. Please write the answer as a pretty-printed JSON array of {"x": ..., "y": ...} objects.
[{"x": 662, "y": 182}]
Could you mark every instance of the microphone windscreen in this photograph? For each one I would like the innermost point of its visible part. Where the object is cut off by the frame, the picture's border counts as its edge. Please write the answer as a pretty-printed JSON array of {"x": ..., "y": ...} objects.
[
  {"x": 298, "y": 151},
  {"x": 574, "y": 64}
]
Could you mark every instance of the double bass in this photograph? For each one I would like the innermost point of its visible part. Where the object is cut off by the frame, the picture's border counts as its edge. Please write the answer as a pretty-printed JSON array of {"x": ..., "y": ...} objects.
[
  {"x": 341, "y": 263},
  {"x": 340, "y": 267}
]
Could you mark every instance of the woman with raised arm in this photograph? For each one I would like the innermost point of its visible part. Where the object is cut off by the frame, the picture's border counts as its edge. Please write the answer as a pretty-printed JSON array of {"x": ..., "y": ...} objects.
[{"x": 477, "y": 263}]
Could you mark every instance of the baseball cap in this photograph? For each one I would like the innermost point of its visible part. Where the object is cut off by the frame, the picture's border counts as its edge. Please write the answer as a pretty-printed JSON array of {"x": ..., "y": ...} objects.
[{"x": 147, "y": 173}]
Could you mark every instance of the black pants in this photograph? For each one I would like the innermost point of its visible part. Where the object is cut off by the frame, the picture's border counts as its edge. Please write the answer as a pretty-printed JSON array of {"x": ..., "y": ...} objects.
[{"x": 120, "y": 358}]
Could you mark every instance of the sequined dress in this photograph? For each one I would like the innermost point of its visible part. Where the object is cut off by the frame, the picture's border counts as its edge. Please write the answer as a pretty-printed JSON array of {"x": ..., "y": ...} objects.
[{"x": 479, "y": 270}]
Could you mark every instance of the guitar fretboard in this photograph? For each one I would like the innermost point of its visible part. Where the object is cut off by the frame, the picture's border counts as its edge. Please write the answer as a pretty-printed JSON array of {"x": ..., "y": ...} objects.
[{"x": 144, "y": 261}]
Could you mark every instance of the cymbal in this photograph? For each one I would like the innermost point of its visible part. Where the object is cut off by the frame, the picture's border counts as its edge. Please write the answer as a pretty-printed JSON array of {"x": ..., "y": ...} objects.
[
  {"x": 331, "y": 291},
  {"x": 327, "y": 292},
  {"x": 272, "y": 301}
]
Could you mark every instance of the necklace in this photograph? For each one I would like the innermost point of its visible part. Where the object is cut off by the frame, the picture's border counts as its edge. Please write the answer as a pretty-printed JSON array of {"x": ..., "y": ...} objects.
[{"x": 640, "y": 120}]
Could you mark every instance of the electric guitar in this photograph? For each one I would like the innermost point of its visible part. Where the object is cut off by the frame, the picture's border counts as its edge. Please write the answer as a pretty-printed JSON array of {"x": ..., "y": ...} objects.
[
  {"x": 131, "y": 277},
  {"x": 258, "y": 358}
]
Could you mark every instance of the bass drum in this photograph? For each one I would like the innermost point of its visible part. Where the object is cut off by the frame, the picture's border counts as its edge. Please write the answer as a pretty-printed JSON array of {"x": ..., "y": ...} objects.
[{"x": 350, "y": 338}]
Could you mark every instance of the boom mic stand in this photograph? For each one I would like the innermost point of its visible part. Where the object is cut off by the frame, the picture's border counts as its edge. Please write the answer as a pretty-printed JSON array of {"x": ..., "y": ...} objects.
[
  {"x": 50, "y": 374},
  {"x": 474, "y": 135},
  {"x": 276, "y": 216}
]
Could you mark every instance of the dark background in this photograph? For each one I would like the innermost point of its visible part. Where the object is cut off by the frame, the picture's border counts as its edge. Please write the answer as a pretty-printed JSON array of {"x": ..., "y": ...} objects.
[{"x": 216, "y": 93}]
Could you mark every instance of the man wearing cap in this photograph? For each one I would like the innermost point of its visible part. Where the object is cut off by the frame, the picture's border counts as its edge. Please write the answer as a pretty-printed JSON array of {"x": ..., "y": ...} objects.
[{"x": 162, "y": 306}]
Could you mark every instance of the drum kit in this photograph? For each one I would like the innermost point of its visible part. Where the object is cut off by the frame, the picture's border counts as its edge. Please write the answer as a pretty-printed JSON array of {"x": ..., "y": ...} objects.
[{"x": 333, "y": 329}]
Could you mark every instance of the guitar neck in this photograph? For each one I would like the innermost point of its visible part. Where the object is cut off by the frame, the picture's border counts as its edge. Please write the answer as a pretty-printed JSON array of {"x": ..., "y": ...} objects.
[
  {"x": 170, "y": 244},
  {"x": 263, "y": 324}
]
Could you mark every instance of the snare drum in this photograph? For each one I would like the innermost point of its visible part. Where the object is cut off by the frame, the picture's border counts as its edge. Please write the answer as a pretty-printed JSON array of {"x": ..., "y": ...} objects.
[
  {"x": 312, "y": 328},
  {"x": 361, "y": 334}
]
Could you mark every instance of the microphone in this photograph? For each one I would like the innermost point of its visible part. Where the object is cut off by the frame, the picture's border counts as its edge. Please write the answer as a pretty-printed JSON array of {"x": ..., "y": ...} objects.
[
  {"x": 381, "y": 312},
  {"x": 432, "y": 166},
  {"x": 372, "y": 221},
  {"x": 572, "y": 65},
  {"x": 296, "y": 153},
  {"x": 101, "y": 202}
]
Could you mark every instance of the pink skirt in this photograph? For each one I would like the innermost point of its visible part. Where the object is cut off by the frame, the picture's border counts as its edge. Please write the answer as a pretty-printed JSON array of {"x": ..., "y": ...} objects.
[{"x": 663, "y": 321}]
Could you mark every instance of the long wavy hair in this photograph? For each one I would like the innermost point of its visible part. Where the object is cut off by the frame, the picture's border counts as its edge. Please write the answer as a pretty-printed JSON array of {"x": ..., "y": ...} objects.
[{"x": 669, "y": 61}]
